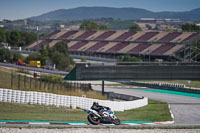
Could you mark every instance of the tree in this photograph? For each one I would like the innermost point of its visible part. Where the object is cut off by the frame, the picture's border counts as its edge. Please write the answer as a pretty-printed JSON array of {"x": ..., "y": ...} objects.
[
  {"x": 15, "y": 56},
  {"x": 190, "y": 27},
  {"x": 87, "y": 25},
  {"x": 135, "y": 27},
  {"x": 43, "y": 35},
  {"x": 44, "y": 56},
  {"x": 2, "y": 35},
  {"x": 128, "y": 58},
  {"x": 13, "y": 37},
  {"x": 62, "y": 48},
  {"x": 83, "y": 59},
  {"x": 31, "y": 57},
  {"x": 5, "y": 55},
  {"x": 103, "y": 27},
  {"x": 60, "y": 60},
  {"x": 27, "y": 38}
]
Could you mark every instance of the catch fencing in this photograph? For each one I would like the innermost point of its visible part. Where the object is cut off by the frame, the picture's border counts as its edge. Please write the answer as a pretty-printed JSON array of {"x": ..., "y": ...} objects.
[{"x": 30, "y": 97}]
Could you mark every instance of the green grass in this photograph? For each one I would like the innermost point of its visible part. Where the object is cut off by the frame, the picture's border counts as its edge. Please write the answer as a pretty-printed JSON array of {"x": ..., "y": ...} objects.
[{"x": 154, "y": 111}]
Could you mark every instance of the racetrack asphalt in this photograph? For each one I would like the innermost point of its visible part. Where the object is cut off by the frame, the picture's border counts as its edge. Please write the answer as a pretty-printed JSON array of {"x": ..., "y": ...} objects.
[{"x": 185, "y": 108}]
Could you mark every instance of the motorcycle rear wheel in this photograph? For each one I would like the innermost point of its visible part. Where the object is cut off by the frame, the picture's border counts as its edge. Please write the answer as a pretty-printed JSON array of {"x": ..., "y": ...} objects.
[
  {"x": 93, "y": 120},
  {"x": 116, "y": 121}
]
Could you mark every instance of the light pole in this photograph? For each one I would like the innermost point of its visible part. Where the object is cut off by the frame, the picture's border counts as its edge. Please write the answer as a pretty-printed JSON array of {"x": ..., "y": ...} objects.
[{"x": 37, "y": 28}]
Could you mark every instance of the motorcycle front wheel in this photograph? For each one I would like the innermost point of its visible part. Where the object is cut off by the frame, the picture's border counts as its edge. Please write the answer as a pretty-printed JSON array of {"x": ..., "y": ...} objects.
[
  {"x": 93, "y": 119},
  {"x": 116, "y": 121}
]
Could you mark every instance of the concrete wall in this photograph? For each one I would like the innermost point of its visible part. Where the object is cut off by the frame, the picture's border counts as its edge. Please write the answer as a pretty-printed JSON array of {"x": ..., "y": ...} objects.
[
  {"x": 122, "y": 72},
  {"x": 29, "y": 97}
]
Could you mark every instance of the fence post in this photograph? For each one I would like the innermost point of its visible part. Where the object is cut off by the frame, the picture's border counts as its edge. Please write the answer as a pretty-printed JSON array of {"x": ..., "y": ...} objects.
[
  {"x": 57, "y": 86},
  {"x": 18, "y": 81},
  {"x": 48, "y": 85},
  {"x": 12, "y": 80},
  {"x": 53, "y": 85},
  {"x": 35, "y": 83},
  {"x": 102, "y": 87},
  {"x": 60, "y": 85},
  {"x": 30, "y": 82},
  {"x": 44, "y": 84},
  {"x": 74, "y": 86},
  {"x": 40, "y": 84},
  {"x": 24, "y": 81}
]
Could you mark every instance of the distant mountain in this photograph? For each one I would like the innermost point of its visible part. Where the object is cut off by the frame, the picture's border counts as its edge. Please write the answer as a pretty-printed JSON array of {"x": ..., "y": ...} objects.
[{"x": 81, "y": 13}]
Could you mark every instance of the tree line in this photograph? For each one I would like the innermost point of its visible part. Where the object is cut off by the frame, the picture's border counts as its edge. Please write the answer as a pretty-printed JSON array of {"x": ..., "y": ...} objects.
[
  {"x": 89, "y": 25},
  {"x": 17, "y": 38},
  {"x": 190, "y": 27},
  {"x": 58, "y": 55}
]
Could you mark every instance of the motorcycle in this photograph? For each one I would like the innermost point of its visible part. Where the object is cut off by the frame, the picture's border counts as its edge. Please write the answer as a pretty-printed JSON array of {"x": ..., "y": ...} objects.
[{"x": 106, "y": 117}]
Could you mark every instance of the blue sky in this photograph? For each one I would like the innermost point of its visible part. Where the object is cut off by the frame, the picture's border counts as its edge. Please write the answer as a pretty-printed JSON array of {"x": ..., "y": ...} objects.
[{"x": 18, "y": 9}]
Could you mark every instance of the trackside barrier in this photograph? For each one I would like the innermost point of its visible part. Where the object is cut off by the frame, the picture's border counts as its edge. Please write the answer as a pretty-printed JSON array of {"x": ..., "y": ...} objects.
[
  {"x": 29, "y": 97},
  {"x": 167, "y": 86}
]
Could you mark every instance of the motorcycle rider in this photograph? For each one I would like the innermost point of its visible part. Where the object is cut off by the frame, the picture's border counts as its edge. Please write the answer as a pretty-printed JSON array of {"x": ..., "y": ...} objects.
[{"x": 100, "y": 109}]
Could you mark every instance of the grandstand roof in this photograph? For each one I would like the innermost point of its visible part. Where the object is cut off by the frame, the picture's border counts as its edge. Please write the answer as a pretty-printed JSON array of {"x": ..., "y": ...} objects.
[{"x": 122, "y": 42}]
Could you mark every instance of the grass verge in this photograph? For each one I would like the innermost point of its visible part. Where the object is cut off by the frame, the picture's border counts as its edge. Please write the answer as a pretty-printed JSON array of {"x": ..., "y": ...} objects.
[
  {"x": 31, "y": 84},
  {"x": 154, "y": 111}
]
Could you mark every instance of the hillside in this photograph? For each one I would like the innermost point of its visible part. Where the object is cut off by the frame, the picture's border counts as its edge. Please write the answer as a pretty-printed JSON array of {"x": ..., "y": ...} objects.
[{"x": 81, "y": 13}]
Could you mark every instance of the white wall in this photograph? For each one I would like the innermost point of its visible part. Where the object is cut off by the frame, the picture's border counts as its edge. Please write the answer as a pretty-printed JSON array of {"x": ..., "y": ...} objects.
[{"x": 29, "y": 97}]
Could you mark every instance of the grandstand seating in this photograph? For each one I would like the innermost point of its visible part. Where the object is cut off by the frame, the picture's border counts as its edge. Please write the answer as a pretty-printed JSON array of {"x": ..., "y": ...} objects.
[
  {"x": 51, "y": 44},
  {"x": 68, "y": 34},
  {"x": 139, "y": 48},
  {"x": 150, "y": 48},
  {"x": 117, "y": 47},
  {"x": 86, "y": 35},
  {"x": 108, "y": 46},
  {"x": 169, "y": 37},
  {"x": 158, "y": 36},
  {"x": 146, "y": 36},
  {"x": 53, "y": 33},
  {"x": 95, "y": 35},
  {"x": 105, "y": 35},
  {"x": 191, "y": 37},
  {"x": 87, "y": 46},
  {"x": 71, "y": 43},
  {"x": 34, "y": 44},
  {"x": 115, "y": 35},
  {"x": 44, "y": 42},
  {"x": 78, "y": 45},
  {"x": 174, "y": 49},
  {"x": 123, "y": 42},
  {"x": 135, "y": 36},
  {"x": 181, "y": 37},
  {"x": 97, "y": 46},
  {"x": 125, "y": 36},
  {"x": 162, "y": 49},
  {"x": 77, "y": 34},
  {"x": 127, "y": 48}
]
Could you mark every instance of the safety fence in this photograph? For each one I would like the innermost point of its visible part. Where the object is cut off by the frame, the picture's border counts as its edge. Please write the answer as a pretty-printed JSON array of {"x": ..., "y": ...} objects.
[
  {"x": 164, "y": 84},
  {"x": 30, "y": 97}
]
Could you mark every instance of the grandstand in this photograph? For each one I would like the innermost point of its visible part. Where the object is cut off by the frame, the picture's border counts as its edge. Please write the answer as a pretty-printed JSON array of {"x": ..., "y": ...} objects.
[{"x": 138, "y": 43}]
